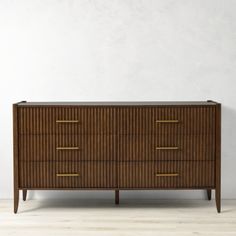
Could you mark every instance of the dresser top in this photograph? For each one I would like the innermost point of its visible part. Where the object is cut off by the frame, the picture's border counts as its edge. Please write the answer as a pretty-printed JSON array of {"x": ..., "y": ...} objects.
[{"x": 146, "y": 103}]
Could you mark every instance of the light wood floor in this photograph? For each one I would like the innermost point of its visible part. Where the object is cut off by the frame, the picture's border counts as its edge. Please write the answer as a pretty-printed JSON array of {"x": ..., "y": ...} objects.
[{"x": 131, "y": 217}]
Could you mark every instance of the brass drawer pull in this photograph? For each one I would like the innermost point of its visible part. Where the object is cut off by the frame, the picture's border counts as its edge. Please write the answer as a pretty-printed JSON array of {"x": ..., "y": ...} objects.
[
  {"x": 67, "y": 121},
  {"x": 167, "y": 121},
  {"x": 68, "y": 175},
  {"x": 167, "y": 175},
  {"x": 167, "y": 148},
  {"x": 67, "y": 148}
]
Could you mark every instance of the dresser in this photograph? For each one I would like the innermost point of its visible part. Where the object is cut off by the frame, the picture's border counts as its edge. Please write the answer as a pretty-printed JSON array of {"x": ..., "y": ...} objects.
[{"x": 117, "y": 146}]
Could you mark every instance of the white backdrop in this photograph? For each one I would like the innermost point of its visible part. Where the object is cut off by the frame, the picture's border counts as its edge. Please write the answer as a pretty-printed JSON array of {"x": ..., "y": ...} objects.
[{"x": 118, "y": 50}]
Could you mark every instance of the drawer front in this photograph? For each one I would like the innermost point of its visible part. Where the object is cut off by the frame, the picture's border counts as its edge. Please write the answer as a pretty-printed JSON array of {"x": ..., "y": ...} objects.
[
  {"x": 67, "y": 147},
  {"x": 166, "y": 147},
  {"x": 164, "y": 174},
  {"x": 172, "y": 120},
  {"x": 66, "y": 120},
  {"x": 67, "y": 175}
]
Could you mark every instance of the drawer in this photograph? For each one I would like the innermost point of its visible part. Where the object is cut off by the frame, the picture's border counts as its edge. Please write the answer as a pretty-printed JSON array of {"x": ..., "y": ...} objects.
[
  {"x": 166, "y": 147},
  {"x": 167, "y": 120},
  {"x": 66, "y": 120},
  {"x": 167, "y": 174},
  {"x": 67, "y": 147},
  {"x": 67, "y": 175}
]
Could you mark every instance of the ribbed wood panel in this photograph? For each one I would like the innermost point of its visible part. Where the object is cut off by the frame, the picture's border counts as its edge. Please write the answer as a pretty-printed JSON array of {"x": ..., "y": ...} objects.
[
  {"x": 45, "y": 147},
  {"x": 191, "y": 120},
  {"x": 143, "y": 147},
  {"x": 191, "y": 174},
  {"x": 44, "y": 175},
  {"x": 116, "y": 146},
  {"x": 91, "y": 120}
]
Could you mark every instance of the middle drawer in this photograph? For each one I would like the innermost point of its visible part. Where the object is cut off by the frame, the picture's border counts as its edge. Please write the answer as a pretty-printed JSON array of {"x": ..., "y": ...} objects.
[
  {"x": 165, "y": 147},
  {"x": 67, "y": 147}
]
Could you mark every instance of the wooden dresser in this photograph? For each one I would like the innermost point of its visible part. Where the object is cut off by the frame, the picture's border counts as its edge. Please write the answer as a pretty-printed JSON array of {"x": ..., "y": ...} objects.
[{"x": 117, "y": 146}]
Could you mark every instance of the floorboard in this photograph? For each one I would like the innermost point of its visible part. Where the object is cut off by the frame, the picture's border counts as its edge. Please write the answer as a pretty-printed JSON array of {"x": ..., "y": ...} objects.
[{"x": 131, "y": 217}]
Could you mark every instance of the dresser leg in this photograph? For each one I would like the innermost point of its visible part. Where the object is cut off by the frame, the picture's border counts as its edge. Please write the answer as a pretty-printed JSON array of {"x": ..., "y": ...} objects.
[
  {"x": 117, "y": 196},
  {"x": 24, "y": 191},
  {"x": 218, "y": 158},
  {"x": 209, "y": 194},
  {"x": 16, "y": 200},
  {"x": 218, "y": 199}
]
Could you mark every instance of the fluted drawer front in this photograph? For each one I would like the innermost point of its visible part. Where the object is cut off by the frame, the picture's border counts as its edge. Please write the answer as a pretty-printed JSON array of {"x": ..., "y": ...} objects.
[
  {"x": 167, "y": 120},
  {"x": 67, "y": 147},
  {"x": 167, "y": 174},
  {"x": 67, "y": 120},
  {"x": 67, "y": 175},
  {"x": 166, "y": 147}
]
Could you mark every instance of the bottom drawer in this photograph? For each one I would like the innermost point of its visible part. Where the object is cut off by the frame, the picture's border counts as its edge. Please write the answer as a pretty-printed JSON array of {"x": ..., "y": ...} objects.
[
  {"x": 167, "y": 174},
  {"x": 67, "y": 175}
]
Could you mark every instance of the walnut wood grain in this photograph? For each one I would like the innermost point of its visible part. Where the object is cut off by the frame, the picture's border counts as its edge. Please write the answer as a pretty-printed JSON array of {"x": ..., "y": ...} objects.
[
  {"x": 166, "y": 147},
  {"x": 174, "y": 174},
  {"x": 218, "y": 157},
  {"x": 142, "y": 120},
  {"x": 15, "y": 157},
  {"x": 67, "y": 147},
  {"x": 43, "y": 120},
  {"x": 90, "y": 175}
]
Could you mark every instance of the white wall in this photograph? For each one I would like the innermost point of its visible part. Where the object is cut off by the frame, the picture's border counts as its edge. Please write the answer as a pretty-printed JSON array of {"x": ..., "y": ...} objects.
[{"x": 63, "y": 50}]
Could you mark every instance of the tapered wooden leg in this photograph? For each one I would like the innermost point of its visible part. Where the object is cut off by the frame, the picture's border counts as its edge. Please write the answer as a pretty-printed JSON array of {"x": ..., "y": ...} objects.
[
  {"x": 218, "y": 199},
  {"x": 24, "y": 191},
  {"x": 117, "y": 196},
  {"x": 209, "y": 194},
  {"x": 16, "y": 200},
  {"x": 218, "y": 158}
]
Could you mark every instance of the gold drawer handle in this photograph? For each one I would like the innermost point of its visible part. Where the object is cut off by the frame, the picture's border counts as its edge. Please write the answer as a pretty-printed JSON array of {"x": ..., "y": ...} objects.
[
  {"x": 167, "y": 148},
  {"x": 67, "y": 121},
  {"x": 167, "y": 121},
  {"x": 67, "y": 148},
  {"x": 167, "y": 175},
  {"x": 68, "y": 175}
]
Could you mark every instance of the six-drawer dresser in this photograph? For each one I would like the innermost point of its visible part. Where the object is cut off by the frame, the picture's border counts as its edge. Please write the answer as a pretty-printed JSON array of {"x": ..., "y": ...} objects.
[{"x": 117, "y": 146}]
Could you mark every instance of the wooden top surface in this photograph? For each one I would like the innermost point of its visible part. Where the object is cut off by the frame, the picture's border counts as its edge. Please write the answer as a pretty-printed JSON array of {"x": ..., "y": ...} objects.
[{"x": 123, "y": 103}]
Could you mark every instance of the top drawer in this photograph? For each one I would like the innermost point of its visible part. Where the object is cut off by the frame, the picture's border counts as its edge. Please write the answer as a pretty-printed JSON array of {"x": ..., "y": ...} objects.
[
  {"x": 167, "y": 120},
  {"x": 66, "y": 120}
]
